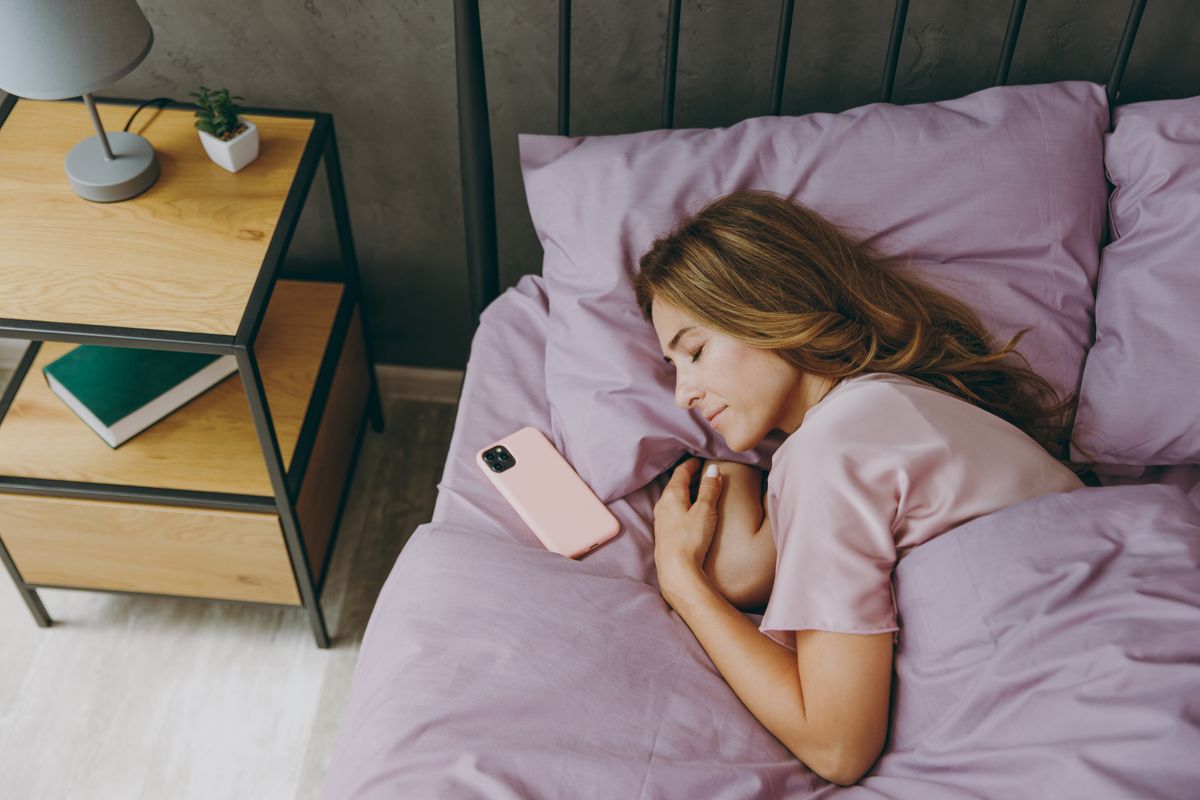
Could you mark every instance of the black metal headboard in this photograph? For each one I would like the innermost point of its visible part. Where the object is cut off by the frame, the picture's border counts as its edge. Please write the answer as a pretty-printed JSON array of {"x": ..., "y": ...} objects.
[{"x": 475, "y": 144}]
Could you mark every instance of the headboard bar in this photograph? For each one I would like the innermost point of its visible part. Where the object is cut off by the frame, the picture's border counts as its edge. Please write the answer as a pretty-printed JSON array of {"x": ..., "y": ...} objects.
[
  {"x": 564, "y": 67},
  {"x": 1010, "y": 42},
  {"x": 781, "y": 55},
  {"x": 1118, "y": 71},
  {"x": 475, "y": 160},
  {"x": 475, "y": 149},
  {"x": 668, "y": 98},
  {"x": 893, "y": 54}
]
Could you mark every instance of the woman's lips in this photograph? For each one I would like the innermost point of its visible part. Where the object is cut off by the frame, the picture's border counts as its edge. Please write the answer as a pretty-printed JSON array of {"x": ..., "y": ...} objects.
[{"x": 717, "y": 416}]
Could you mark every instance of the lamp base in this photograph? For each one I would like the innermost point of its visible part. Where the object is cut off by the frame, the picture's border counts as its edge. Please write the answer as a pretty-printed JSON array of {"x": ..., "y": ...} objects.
[{"x": 133, "y": 170}]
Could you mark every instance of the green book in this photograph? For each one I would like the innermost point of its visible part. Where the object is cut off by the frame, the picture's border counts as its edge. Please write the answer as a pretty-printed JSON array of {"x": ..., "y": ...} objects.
[{"x": 121, "y": 391}]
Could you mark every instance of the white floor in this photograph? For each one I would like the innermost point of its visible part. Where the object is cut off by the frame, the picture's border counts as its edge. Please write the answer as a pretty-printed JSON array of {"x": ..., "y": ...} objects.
[
  {"x": 154, "y": 698},
  {"x": 149, "y": 697}
]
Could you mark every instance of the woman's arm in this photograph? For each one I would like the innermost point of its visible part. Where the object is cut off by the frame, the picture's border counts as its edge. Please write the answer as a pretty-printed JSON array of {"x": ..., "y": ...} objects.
[
  {"x": 740, "y": 563},
  {"x": 827, "y": 702}
]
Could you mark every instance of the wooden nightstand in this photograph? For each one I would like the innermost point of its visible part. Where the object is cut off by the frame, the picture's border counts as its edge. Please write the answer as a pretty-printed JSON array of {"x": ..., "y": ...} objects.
[{"x": 236, "y": 495}]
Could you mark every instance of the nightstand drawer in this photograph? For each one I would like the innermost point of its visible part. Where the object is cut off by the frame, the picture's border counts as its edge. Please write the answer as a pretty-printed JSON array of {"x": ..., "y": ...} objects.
[{"x": 139, "y": 547}]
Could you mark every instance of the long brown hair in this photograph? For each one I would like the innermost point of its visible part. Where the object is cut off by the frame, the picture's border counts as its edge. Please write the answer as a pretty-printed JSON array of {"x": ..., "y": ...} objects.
[{"x": 771, "y": 273}]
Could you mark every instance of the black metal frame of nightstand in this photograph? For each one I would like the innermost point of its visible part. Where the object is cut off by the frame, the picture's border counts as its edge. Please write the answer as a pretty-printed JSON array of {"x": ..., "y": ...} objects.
[{"x": 285, "y": 483}]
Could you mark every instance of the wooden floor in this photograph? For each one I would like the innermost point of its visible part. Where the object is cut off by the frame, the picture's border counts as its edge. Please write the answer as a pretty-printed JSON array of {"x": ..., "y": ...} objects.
[{"x": 150, "y": 697}]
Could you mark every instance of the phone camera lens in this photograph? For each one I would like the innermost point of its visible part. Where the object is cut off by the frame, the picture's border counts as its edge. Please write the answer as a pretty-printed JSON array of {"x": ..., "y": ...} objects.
[
  {"x": 504, "y": 456},
  {"x": 497, "y": 467},
  {"x": 489, "y": 456}
]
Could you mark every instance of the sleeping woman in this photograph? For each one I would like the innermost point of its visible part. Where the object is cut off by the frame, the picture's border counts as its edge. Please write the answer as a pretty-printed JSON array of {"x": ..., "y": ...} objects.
[{"x": 902, "y": 422}]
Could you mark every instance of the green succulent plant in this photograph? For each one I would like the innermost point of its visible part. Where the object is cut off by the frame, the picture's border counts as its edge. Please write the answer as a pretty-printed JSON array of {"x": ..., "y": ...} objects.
[{"x": 217, "y": 113}]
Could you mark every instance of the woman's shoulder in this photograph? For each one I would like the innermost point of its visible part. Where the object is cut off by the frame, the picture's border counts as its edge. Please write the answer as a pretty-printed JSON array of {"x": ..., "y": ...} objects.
[
  {"x": 883, "y": 416},
  {"x": 871, "y": 392},
  {"x": 874, "y": 410}
]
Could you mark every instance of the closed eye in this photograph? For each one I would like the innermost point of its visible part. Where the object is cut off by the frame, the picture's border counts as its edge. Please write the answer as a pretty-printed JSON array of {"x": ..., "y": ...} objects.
[{"x": 694, "y": 357}]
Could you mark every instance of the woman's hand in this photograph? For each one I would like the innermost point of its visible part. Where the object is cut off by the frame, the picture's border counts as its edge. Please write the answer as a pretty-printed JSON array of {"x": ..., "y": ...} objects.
[{"x": 683, "y": 530}]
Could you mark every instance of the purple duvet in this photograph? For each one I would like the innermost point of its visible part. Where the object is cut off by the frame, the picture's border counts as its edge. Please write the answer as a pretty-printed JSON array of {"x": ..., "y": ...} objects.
[{"x": 1050, "y": 649}]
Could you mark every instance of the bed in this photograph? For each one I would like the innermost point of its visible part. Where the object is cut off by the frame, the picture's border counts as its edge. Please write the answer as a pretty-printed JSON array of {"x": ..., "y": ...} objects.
[{"x": 1049, "y": 649}]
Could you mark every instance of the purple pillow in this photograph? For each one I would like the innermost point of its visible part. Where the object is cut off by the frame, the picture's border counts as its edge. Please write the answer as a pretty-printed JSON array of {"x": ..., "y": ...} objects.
[
  {"x": 998, "y": 197},
  {"x": 1139, "y": 401}
]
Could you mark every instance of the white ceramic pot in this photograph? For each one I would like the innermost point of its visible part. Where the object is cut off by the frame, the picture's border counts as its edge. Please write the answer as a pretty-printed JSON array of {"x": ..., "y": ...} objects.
[{"x": 235, "y": 153}]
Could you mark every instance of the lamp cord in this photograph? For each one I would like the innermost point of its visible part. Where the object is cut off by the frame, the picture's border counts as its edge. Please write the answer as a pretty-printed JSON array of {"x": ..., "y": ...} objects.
[{"x": 143, "y": 105}]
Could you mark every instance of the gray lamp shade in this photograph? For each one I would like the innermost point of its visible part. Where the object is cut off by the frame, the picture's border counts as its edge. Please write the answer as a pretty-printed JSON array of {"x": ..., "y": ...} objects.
[{"x": 56, "y": 49}]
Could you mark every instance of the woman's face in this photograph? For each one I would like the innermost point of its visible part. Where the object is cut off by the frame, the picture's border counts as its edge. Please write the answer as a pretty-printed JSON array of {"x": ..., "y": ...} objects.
[{"x": 755, "y": 391}]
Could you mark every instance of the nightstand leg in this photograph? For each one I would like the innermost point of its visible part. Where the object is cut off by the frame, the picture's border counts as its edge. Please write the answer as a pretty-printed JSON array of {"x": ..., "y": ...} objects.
[
  {"x": 260, "y": 411},
  {"x": 341, "y": 218},
  {"x": 40, "y": 615},
  {"x": 28, "y": 594}
]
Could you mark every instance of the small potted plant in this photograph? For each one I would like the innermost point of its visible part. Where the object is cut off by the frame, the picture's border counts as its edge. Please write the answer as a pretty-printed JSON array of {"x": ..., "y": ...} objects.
[{"x": 229, "y": 139}]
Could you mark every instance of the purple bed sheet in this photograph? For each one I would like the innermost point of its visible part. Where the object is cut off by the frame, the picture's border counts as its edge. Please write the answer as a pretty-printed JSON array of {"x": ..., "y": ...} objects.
[{"x": 1050, "y": 649}]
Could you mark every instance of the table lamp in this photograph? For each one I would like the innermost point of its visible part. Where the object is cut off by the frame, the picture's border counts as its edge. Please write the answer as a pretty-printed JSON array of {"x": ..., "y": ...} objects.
[{"x": 57, "y": 49}]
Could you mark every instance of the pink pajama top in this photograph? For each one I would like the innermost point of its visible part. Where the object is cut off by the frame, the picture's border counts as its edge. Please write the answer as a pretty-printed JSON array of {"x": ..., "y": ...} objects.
[{"x": 881, "y": 464}]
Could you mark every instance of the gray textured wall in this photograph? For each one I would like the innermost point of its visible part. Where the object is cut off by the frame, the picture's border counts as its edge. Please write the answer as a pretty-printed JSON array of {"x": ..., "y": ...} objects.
[{"x": 385, "y": 69}]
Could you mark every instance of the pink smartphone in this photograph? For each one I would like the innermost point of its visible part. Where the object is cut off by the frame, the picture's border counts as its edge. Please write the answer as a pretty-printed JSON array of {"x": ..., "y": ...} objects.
[{"x": 560, "y": 509}]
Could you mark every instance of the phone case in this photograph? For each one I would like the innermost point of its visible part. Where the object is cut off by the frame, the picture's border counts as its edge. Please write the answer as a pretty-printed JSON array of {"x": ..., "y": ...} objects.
[{"x": 560, "y": 509}]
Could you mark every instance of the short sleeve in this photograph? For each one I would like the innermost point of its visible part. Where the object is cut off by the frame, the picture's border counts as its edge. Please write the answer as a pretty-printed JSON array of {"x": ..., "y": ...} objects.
[
  {"x": 836, "y": 492},
  {"x": 833, "y": 528}
]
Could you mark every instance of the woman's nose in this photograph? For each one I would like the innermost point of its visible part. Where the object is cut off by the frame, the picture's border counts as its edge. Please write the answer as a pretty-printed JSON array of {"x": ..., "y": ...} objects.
[{"x": 685, "y": 394}]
